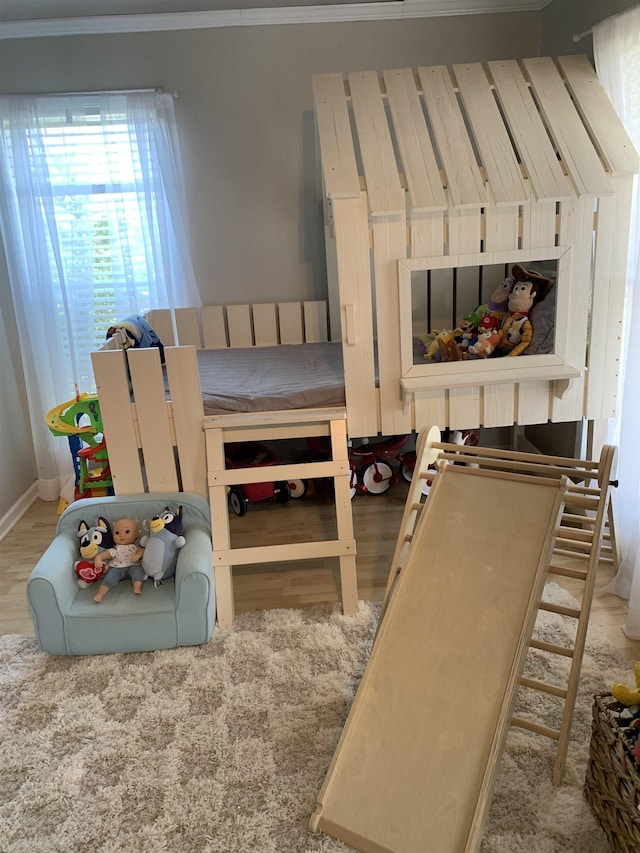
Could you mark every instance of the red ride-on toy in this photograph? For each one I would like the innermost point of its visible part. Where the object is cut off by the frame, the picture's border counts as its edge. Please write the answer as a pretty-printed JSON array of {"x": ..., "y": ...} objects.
[
  {"x": 374, "y": 475},
  {"x": 251, "y": 454}
]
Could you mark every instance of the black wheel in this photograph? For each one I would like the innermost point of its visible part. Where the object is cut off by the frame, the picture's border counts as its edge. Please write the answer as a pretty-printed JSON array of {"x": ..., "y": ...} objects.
[
  {"x": 376, "y": 477},
  {"x": 298, "y": 488},
  {"x": 237, "y": 502},
  {"x": 282, "y": 490}
]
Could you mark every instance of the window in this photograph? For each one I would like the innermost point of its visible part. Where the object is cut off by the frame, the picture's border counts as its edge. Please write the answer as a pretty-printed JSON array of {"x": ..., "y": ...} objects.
[
  {"x": 417, "y": 308},
  {"x": 94, "y": 167},
  {"x": 92, "y": 217}
]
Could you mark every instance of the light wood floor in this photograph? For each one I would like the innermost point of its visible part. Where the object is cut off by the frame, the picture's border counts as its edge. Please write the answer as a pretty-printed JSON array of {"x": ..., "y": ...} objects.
[{"x": 376, "y": 523}]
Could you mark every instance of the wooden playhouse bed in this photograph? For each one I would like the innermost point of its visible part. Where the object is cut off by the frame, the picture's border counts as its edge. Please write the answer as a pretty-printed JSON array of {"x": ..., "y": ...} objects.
[{"x": 435, "y": 182}]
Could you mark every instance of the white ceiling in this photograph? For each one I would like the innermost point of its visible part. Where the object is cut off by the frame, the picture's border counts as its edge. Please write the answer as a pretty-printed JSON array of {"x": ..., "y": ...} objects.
[{"x": 23, "y": 18}]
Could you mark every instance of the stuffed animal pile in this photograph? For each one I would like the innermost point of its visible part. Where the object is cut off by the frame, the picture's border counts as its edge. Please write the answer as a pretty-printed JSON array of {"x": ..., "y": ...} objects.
[
  {"x": 105, "y": 547},
  {"x": 502, "y": 327}
]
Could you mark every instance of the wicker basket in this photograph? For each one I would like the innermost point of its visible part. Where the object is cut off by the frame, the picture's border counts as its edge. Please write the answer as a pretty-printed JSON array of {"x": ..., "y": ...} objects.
[{"x": 612, "y": 783}]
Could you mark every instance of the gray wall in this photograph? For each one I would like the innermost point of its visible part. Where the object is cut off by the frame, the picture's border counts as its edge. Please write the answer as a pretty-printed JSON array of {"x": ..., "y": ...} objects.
[
  {"x": 245, "y": 114},
  {"x": 564, "y": 18},
  {"x": 17, "y": 470}
]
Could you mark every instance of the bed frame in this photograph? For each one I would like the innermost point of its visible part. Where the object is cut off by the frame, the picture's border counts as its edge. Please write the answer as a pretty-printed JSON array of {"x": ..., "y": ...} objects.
[{"x": 157, "y": 443}]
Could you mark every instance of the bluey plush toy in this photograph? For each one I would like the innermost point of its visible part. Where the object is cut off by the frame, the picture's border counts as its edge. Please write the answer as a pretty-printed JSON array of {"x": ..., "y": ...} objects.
[
  {"x": 137, "y": 332},
  {"x": 92, "y": 541},
  {"x": 161, "y": 545}
]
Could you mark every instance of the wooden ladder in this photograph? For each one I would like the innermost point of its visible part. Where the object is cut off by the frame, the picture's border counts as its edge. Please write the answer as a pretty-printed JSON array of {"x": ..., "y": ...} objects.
[
  {"x": 585, "y": 535},
  {"x": 305, "y": 423}
]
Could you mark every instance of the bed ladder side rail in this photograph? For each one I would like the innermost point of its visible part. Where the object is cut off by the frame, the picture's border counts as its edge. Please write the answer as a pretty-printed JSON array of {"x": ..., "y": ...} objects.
[{"x": 412, "y": 510}]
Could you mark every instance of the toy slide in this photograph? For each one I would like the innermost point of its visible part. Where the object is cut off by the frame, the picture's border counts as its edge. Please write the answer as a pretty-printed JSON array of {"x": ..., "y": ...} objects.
[
  {"x": 414, "y": 769},
  {"x": 80, "y": 416}
]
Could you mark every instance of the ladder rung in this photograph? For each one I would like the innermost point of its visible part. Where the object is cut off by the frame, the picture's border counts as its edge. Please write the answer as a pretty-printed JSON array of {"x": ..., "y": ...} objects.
[
  {"x": 583, "y": 501},
  {"x": 572, "y": 489},
  {"x": 574, "y": 543},
  {"x": 578, "y": 519},
  {"x": 542, "y": 687},
  {"x": 563, "y": 552},
  {"x": 566, "y": 572},
  {"x": 551, "y": 647},
  {"x": 535, "y": 727},
  {"x": 575, "y": 533},
  {"x": 559, "y": 609}
]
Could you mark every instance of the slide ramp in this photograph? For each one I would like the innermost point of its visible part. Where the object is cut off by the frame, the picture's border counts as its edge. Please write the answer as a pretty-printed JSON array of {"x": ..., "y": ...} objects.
[{"x": 414, "y": 768}]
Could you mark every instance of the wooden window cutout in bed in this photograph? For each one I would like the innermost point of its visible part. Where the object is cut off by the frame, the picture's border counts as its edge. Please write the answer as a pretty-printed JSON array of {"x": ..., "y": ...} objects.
[{"x": 491, "y": 371}]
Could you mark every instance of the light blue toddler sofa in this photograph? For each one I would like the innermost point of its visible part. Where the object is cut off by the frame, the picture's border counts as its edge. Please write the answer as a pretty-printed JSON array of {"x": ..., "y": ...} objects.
[{"x": 181, "y": 612}]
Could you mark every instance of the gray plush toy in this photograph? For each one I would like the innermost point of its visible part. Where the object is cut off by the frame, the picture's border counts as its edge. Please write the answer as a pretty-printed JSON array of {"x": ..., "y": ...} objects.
[{"x": 161, "y": 545}]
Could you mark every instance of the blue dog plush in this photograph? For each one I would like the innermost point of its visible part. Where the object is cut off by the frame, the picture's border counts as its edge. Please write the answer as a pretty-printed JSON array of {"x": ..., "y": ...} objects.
[
  {"x": 161, "y": 545},
  {"x": 93, "y": 540}
]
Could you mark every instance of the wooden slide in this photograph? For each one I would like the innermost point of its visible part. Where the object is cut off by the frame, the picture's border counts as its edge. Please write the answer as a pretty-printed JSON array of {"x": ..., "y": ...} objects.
[{"x": 414, "y": 768}]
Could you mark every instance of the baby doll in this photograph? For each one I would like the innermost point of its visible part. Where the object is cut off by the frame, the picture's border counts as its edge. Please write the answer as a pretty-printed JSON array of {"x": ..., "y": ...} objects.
[{"x": 123, "y": 560}]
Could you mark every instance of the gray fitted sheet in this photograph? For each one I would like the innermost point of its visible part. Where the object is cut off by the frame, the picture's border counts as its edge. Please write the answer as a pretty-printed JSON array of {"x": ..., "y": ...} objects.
[{"x": 264, "y": 379}]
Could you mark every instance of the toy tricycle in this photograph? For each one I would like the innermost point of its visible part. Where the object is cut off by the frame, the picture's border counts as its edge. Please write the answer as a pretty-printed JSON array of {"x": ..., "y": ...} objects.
[
  {"x": 251, "y": 454},
  {"x": 371, "y": 473}
]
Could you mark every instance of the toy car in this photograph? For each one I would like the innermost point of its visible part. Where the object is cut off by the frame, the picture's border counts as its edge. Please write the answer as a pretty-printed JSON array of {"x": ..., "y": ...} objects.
[{"x": 251, "y": 454}]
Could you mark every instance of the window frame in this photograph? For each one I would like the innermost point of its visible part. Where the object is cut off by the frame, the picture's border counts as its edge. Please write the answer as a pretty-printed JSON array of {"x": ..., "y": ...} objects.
[{"x": 461, "y": 374}]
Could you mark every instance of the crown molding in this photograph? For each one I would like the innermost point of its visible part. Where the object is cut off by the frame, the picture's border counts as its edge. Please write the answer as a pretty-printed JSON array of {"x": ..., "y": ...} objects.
[{"x": 377, "y": 11}]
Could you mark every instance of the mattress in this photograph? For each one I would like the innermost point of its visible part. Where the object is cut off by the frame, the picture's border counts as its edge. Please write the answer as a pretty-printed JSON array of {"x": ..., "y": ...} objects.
[{"x": 264, "y": 379}]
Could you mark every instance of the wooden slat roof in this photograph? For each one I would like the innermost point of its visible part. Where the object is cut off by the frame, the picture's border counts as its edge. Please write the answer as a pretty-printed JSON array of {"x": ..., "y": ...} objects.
[{"x": 504, "y": 133}]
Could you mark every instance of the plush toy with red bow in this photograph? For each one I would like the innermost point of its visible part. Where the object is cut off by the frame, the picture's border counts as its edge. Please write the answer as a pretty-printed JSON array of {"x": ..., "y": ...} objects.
[{"x": 93, "y": 540}]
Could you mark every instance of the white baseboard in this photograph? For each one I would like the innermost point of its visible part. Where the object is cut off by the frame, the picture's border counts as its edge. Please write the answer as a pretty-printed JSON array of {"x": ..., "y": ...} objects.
[{"x": 13, "y": 515}]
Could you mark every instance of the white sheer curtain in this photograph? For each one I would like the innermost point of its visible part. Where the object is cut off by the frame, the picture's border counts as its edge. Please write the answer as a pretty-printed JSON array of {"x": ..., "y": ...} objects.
[
  {"x": 93, "y": 222},
  {"x": 616, "y": 45}
]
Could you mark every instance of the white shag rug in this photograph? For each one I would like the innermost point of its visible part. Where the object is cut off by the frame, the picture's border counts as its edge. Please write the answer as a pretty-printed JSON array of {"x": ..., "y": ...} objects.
[{"x": 223, "y": 748}]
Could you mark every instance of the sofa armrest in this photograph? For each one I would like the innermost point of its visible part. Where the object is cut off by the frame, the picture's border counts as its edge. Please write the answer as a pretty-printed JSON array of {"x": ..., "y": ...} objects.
[
  {"x": 51, "y": 589},
  {"x": 195, "y": 588}
]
